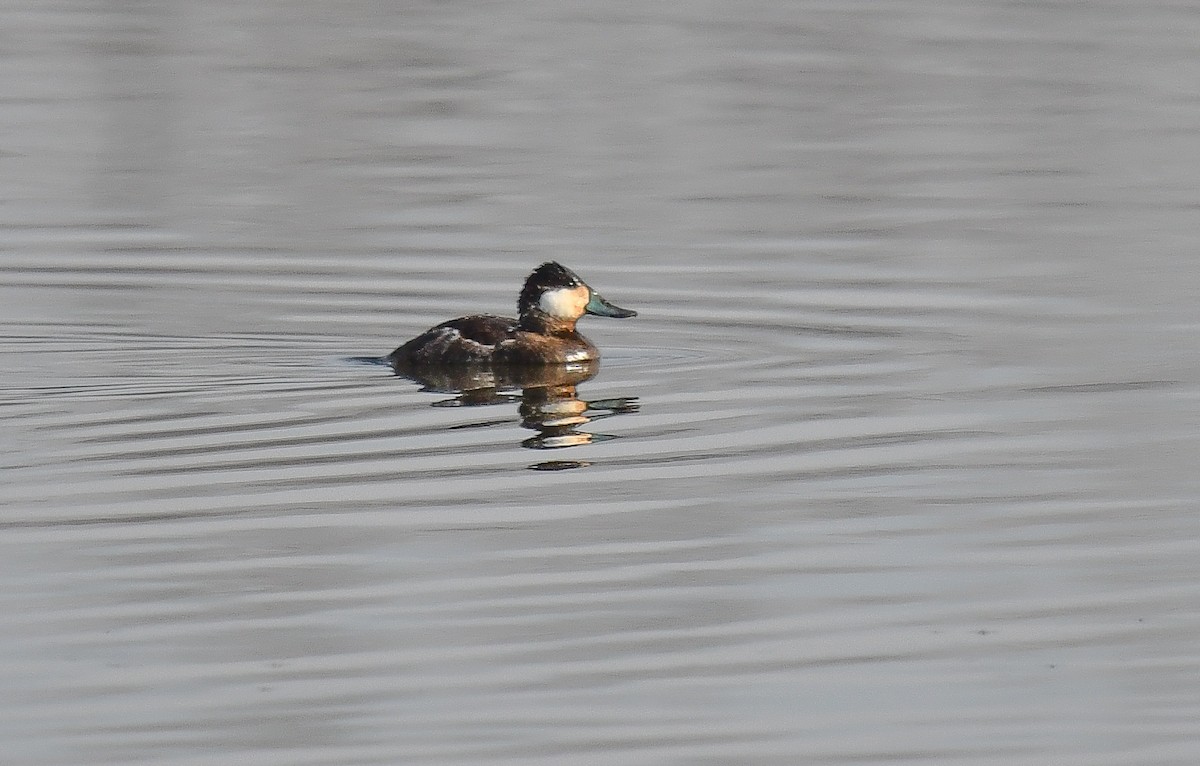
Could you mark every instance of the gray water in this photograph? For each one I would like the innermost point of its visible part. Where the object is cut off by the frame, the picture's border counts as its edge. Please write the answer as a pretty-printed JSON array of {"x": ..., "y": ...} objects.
[{"x": 897, "y": 464}]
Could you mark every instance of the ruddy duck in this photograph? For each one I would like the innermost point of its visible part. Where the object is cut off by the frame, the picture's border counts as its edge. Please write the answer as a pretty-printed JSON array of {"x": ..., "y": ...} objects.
[{"x": 551, "y": 302}]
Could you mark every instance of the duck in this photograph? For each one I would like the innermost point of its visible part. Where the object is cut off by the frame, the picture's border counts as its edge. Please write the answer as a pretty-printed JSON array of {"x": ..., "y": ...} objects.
[{"x": 551, "y": 302}]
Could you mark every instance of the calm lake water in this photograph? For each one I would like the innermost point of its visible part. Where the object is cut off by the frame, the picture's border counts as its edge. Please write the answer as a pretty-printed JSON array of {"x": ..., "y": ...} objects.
[{"x": 897, "y": 464}]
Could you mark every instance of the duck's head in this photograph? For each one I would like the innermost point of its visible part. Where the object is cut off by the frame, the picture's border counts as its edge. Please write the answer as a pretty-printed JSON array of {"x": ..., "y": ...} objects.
[{"x": 556, "y": 291}]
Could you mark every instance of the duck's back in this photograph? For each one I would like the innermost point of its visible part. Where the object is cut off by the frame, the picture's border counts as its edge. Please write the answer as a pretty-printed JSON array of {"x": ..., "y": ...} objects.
[{"x": 466, "y": 340}]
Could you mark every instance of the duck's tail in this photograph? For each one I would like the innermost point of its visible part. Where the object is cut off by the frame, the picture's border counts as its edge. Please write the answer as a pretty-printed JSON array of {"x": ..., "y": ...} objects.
[{"x": 381, "y": 361}]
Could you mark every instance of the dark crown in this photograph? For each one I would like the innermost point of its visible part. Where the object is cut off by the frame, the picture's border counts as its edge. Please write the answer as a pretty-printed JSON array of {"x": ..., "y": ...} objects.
[{"x": 549, "y": 276}]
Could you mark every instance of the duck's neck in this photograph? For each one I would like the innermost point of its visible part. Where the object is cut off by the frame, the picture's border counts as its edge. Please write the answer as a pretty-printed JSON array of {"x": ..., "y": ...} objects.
[{"x": 543, "y": 324}]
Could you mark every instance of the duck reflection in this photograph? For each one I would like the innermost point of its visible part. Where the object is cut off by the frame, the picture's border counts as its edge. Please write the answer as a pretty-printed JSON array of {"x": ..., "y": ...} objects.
[{"x": 547, "y": 402}]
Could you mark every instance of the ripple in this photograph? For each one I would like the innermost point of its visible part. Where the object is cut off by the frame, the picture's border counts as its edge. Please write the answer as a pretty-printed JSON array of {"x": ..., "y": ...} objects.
[{"x": 896, "y": 463}]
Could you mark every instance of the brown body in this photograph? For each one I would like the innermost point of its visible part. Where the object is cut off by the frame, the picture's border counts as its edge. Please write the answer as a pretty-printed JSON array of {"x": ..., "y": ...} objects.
[{"x": 551, "y": 303}]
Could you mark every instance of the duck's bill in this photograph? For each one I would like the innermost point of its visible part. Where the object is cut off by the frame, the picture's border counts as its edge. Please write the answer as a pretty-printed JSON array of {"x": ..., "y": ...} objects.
[{"x": 602, "y": 308}]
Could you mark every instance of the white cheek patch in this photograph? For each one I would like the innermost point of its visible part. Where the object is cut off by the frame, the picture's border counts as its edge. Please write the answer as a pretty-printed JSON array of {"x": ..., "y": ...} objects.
[{"x": 565, "y": 302}]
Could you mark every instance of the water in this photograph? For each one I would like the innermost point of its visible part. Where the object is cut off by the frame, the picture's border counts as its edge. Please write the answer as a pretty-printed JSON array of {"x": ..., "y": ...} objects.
[{"x": 896, "y": 464}]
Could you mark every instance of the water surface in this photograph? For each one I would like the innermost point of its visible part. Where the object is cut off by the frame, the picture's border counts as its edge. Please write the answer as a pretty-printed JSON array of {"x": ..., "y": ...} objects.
[{"x": 896, "y": 464}]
